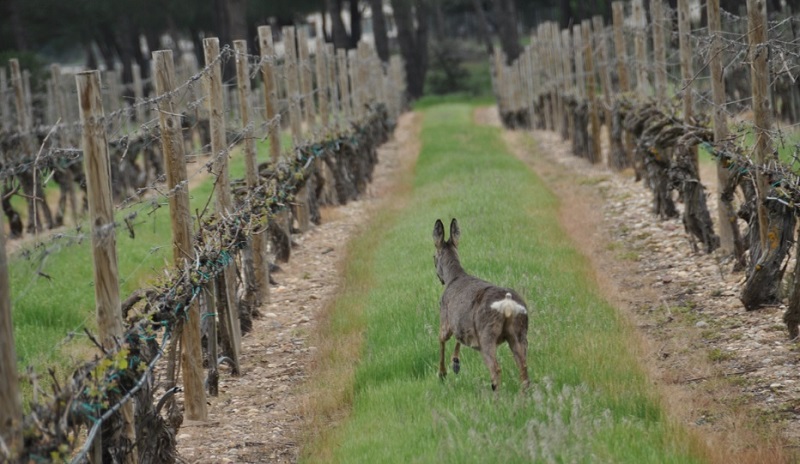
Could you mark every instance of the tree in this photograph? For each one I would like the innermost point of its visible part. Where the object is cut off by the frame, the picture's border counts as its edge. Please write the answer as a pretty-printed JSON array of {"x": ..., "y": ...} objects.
[
  {"x": 506, "y": 13},
  {"x": 379, "y": 30},
  {"x": 413, "y": 41}
]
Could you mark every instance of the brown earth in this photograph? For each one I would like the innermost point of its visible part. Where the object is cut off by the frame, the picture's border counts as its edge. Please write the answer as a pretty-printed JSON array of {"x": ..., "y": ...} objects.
[{"x": 728, "y": 375}]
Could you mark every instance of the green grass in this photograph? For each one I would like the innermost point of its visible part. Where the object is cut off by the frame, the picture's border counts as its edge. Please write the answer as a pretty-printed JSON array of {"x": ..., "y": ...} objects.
[
  {"x": 589, "y": 400},
  {"x": 787, "y": 145}
]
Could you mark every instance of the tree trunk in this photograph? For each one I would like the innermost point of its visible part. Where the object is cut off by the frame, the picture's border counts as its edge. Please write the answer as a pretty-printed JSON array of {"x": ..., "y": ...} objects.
[
  {"x": 379, "y": 30},
  {"x": 18, "y": 30},
  {"x": 413, "y": 43},
  {"x": 506, "y": 15},
  {"x": 567, "y": 16},
  {"x": 355, "y": 24},
  {"x": 483, "y": 27},
  {"x": 105, "y": 43},
  {"x": 126, "y": 46},
  {"x": 340, "y": 39}
]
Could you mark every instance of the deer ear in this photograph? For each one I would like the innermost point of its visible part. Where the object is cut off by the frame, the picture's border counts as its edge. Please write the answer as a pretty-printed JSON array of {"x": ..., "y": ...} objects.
[
  {"x": 455, "y": 232},
  {"x": 438, "y": 233}
]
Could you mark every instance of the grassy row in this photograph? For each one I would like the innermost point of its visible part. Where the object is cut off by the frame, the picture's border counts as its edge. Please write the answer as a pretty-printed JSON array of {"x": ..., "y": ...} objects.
[{"x": 589, "y": 400}]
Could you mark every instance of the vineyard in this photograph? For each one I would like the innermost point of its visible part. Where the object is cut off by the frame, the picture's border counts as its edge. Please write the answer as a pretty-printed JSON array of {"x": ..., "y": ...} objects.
[
  {"x": 658, "y": 102},
  {"x": 716, "y": 92},
  {"x": 107, "y": 160}
]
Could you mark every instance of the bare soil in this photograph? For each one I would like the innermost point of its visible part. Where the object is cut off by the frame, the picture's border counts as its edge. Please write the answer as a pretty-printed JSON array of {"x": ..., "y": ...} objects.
[{"x": 259, "y": 416}]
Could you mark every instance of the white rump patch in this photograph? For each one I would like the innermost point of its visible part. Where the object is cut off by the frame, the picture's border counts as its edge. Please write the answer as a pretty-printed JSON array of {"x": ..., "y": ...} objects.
[{"x": 508, "y": 306}]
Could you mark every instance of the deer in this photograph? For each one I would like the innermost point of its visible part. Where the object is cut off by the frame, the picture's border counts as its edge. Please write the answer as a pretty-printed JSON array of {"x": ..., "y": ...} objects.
[{"x": 481, "y": 315}]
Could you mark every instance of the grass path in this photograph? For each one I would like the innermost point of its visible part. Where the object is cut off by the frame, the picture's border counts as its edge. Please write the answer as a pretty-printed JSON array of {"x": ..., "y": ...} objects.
[{"x": 589, "y": 400}]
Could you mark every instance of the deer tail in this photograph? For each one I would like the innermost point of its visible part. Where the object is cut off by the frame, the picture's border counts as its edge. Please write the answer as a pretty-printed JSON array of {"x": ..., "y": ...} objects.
[{"x": 508, "y": 306}]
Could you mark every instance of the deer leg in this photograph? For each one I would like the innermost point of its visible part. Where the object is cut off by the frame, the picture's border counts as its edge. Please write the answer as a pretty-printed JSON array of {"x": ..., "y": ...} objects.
[
  {"x": 442, "y": 370},
  {"x": 489, "y": 352},
  {"x": 519, "y": 348},
  {"x": 456, "y": 361}
]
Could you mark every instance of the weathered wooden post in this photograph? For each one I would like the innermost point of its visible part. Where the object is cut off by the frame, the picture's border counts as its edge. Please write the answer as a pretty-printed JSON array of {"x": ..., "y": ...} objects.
[
  {"x": 97, "y": 167},
  {"x": 659, "y": 20},
  {"x": 260, "y": 264},
  {"x": 762, "y": 114},
  {"x": 569, "y": 80},
  {"x": 270, "y": 91},
  {"x": 62, "y": 113},
  {"x": 335, "y": 104},
  {"x": 730, "y": 242},
  {"x": 640, "y": 45},
  {"x": 180, "y": 216},
  {"x": 321, "y": 70},
  {"x": 687, "y": 73},
  {"x": 595, "y": 154},
  {"x": 306, "y": 80},
  {"x": 10, "y": 399},
  {"x": 604, "y": 69},
  {"x": 5, "y": 112},
  {"x": 344, "y": 87},
  {"x": 227, "y": 308},
  {"x": 292, "y": 78},
  {"x": 138, "y": 93},
  {"x": 355, "y": 85}
]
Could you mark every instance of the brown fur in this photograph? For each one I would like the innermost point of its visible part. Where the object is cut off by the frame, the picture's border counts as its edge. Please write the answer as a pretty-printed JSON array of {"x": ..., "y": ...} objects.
[{"x": 466, "y": 312}]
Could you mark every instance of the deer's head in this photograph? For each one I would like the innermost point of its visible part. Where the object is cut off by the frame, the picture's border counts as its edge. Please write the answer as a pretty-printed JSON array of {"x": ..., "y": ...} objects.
[{"x": 446, "y": 257}]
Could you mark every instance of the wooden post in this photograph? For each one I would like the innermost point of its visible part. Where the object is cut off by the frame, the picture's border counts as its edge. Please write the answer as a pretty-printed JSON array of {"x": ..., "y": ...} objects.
[
  {"x": 306, "y": 79},
  {"x": 569, "y": 77},
  {"x": 260, "y": 264},
  {"x": 335, "y": 104},
  {"x": 620, "y": 48},
  {"x": 355, "y": 84},
  {"x": 5, "y": 111},
  {"x": 344, "y": 87},
  {"x": 270, "y": 91},
  {"x": 321, "y": 68},
  {"x": 97, "y": 167},
  {"x": 62, "y": 114},
  {"x": 595, "y": 156},
  {"x": 659, "y": 51},
  {"x": 227, "y": 307},
  {"x": 604, "y": 70},
  {"x": 138, "y": 93},
  {"x": 687, "y": 73},
  {"x": 292, "y": 77},
  {"x": 762, "y": 113},
  {"x": 10, "y": 399},
  {"x": 180, "y": 216},
  {"x": 725, "y": 213},
  {"x": 640, "y": 43},
  {"x": 23, "y": 123},
  {"x": 580, "y": 75},
  {"x": 26, "y": 86}
]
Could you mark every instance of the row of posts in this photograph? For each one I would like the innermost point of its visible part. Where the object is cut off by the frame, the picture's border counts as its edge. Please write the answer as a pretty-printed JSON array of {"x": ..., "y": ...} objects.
[
  {"x": 567, "y": 63},
  {"x": 346, "y": 83}
]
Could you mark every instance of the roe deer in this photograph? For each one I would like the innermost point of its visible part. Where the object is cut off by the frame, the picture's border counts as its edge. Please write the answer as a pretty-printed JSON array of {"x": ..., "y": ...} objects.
[{"x": 481, "y": 315}]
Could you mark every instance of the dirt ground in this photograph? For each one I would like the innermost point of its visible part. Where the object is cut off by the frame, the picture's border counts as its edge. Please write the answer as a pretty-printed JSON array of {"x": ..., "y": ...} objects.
[{"x": 720, "y": 370}]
